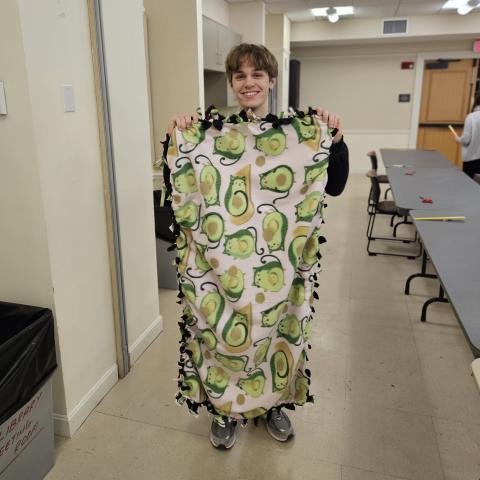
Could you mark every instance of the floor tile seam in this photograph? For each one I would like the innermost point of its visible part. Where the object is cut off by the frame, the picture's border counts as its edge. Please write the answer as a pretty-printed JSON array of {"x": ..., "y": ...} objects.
[
  {"x": 474, "y": 422},
  {"x": 442, "y": 461},
  {"x": 425, "y": 415},
  {"x": 128, "y": 419},
  {"x": 386, "y": 475}
]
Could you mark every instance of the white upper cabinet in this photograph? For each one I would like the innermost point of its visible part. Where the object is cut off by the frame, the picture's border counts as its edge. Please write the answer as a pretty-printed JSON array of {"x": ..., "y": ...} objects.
[{"x": 217, "y": 42}]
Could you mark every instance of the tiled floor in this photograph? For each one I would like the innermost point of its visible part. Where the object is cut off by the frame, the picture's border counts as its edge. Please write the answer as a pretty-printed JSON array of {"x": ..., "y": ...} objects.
[{"x": 395, "y": 398}]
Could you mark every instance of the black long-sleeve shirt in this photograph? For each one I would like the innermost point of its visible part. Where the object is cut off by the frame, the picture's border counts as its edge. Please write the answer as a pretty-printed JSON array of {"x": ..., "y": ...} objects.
[{"x": 338, "y": 168}]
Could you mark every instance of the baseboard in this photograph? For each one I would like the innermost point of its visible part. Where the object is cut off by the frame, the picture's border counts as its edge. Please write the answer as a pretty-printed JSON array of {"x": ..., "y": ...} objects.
[
  {"x": 67, "y": 425},
  {"x": 476, "y": 370},
  {"x": 145, "y": 339}
]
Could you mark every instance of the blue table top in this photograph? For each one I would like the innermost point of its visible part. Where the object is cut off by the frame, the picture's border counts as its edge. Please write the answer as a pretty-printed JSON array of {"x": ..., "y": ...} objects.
[
  {"x": 414, "y": 158},
  {"x": 453, "y": 250}
]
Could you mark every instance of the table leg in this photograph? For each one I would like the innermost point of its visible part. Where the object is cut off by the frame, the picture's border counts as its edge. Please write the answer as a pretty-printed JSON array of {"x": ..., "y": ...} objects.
[
  {"x": 422, "y": 274},
  {"x": 441, "y": 298}
]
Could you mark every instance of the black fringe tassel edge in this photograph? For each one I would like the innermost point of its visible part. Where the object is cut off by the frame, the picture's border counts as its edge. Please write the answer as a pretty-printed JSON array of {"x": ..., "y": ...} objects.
[{"x": 193, "y": 406}]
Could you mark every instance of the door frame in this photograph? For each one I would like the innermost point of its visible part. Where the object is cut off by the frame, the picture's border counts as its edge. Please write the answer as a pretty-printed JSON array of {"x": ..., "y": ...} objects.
[
  {"x": 94, "y": 8},
  {"x": 417, "y": 89}
]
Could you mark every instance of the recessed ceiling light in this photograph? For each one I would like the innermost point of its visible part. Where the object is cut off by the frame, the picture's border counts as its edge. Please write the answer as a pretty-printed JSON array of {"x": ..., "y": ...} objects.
[{"x": 341, "y": 11}]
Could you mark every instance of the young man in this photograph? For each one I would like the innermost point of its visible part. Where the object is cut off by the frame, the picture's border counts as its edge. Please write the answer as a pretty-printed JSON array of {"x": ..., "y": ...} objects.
[{"x": 252, "y": 71}]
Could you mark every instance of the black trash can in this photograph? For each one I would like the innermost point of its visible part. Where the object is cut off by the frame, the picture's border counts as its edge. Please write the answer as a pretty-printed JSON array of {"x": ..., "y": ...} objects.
[
  {"x": 166, "y": 267},
  {"x": 27, "y": 361}
]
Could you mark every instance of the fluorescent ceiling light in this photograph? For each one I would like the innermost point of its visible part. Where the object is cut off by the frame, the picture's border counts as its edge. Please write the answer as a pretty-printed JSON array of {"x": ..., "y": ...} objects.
[
  {"x": 454, "y": 4},
  {"x": 332, "y": 15},
  {"x": 341, "y": 11}
]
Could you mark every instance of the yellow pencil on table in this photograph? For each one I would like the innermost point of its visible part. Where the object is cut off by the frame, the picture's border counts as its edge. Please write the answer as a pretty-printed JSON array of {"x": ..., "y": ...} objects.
[{"x": 458, "y": 218}]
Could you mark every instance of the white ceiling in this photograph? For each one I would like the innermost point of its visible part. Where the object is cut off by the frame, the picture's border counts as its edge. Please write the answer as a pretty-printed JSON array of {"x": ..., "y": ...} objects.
[{"x": 299, "y": 10}]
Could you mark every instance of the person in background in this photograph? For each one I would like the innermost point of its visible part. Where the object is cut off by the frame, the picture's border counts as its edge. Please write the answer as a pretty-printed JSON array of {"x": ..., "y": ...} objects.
[
  {"x": 252, "y": 71},
  {"x": 470, "y": 140}
]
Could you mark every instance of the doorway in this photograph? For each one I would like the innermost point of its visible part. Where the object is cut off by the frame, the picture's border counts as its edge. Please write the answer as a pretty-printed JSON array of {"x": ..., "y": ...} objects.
[{"x": 448, "y": 90}]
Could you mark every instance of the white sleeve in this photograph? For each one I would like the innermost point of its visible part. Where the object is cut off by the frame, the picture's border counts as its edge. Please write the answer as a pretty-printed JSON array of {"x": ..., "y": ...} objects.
[{"x": 467, "y": 131}]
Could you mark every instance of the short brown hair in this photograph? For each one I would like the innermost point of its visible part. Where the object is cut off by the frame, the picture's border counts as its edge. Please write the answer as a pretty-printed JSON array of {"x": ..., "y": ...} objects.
[{"x": 259, "y": 56}]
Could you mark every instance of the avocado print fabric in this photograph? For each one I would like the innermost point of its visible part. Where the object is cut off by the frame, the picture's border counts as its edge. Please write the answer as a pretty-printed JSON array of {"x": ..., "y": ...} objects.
[{"x": 247, "y": 195}]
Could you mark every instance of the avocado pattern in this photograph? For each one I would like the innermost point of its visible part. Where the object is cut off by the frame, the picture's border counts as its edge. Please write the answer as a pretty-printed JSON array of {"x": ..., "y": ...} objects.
[{"x": 247, "y": 201}]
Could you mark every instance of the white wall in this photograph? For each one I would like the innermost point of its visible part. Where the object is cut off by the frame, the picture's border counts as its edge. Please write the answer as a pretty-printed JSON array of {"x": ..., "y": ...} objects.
[
  {"x": 129, "y": 104},
  {"x": 368, "y": 29},
  {"x": 57, "y": 51},
  {"x": 24, "y": 259},
  {"x": 217, "y": 10},
  {"x": 248, "y": 19},
  {"x": 176, "y": 61},
  {"x": 362, "y": 84},
  {"x": 278, "y": 42}
]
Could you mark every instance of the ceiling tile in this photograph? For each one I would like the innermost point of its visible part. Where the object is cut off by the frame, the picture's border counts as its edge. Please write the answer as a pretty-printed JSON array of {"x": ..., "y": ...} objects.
[{"x": 413, "y": 9}]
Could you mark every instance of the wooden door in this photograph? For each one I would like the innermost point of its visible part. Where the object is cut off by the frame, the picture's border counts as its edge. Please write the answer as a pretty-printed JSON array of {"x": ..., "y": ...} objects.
[{"x": 448, "y": 86}]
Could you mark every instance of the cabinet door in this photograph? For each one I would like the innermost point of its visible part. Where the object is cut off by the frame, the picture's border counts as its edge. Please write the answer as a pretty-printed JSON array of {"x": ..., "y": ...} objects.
[
  {"x": 210, "y": 42},
  {"x": 223, "y": 46}
]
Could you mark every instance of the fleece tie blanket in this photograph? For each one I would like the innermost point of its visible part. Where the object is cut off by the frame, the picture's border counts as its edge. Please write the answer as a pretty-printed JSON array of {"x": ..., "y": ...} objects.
[{"x": 247, "y": 195}]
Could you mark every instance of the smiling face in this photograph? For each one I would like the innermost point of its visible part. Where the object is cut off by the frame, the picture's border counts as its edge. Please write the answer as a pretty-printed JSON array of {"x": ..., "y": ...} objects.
[{"x": 251, "y": 88}]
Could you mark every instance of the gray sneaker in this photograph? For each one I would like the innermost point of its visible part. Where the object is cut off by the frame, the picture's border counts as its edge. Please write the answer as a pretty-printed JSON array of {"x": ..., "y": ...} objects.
[
  {"x": 222, "y": 434},
  {"x": 279, "y": 425}
]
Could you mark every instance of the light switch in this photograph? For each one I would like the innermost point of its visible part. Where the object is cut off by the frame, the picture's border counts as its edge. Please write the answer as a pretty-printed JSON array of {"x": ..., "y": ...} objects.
[
  {"x": 68, "y": 98},
  {"x": 3, "y": 100}
]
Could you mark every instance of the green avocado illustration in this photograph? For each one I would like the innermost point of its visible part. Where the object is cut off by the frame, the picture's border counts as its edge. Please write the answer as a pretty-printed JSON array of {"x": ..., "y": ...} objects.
[
  {"x": 200, "y": 260},
  {"x": 213, "y": 226},
  {"x": 307, "y": 208},
  {"x": 296, "y": 295},
  {"x": 237, "y": 197},
  {"x": 271, "y": 142},
  {"x": 301, "y": 390},
  {"x": 261, "y": 351},
  {"x": 209, "y": 338},
  {"x": 197, "y": 356},
  {"x": 194, "y": 134},
  {"x": 210, "y": 185},
  {"x": 305, "y": 128},
  {"x": 297, "y": 245},
  {"x": 275, "y": 226},
  {"x": 270, "y": 276},
  {"x": 184, "y": 180},
  {"x": 231, "y": 145},
  {"x": 278, "y": 179},
  {"x": 290, "y": 328},
  {"x": 256, "y": 412},
  {"x": 237, "y": 330},
  {"x": 307, "y": 330},
  {"x": 189, "y": 291},
  {"x": 254, "y": 384},
  {"x": 217, "y": 379},
  {"x": 235, "y": 364},
  {"x": 212, "y": 306},
  {"x": 281, "y": 366},
  {"x": 193, "y": 384},
  {"x": 271, "y": 316},
  {"x": 309, "y": 254},
  {"x": 187, "y": 215},
  {"x": 316, "y": 171},
  {"x": 240, "y": 244},
  {"x": 233, "y": 282}
]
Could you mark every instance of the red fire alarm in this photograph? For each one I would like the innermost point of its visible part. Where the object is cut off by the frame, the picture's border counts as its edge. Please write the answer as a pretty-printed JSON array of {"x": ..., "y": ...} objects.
[
  {"x": 407, "y": 65},
  {"x": 476, "y": 46}
]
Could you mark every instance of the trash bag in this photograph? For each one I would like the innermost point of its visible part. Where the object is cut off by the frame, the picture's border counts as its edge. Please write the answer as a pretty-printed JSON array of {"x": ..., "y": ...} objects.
[{"x": 27, "y": 354}]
